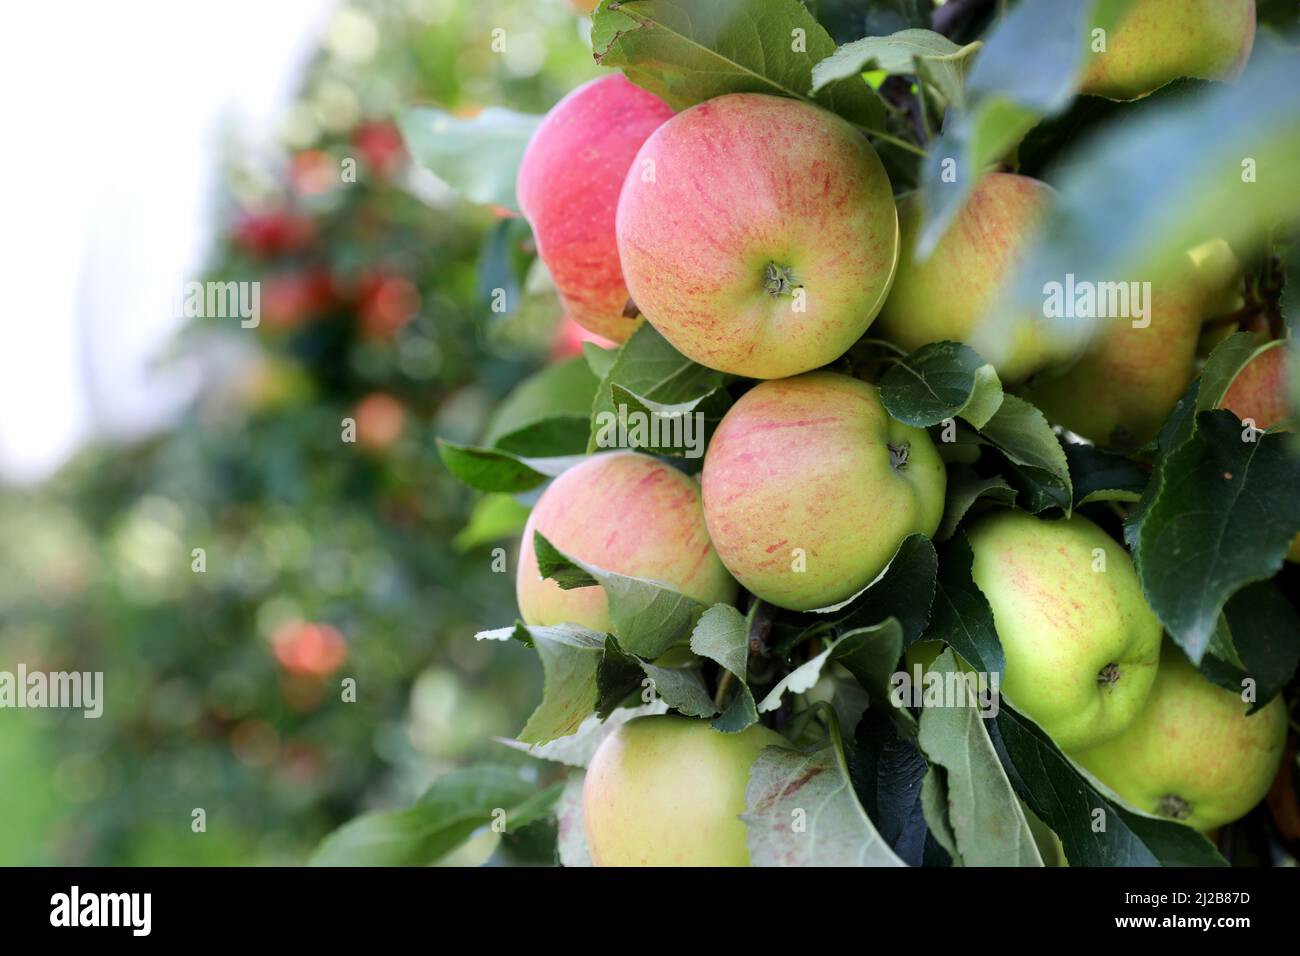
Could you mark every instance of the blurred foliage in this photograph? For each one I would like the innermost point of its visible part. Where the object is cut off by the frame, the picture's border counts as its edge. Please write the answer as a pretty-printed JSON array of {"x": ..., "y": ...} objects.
[{"x": 322, "y": 559}]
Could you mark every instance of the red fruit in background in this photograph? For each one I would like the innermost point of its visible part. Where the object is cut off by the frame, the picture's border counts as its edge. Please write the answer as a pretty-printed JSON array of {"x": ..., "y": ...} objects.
[
  {"x": 312, "y": 650},
  {"x": 271, "y": 233},
  {"x": 313, "y": 172},
  {"x": 380, "y": 419},
  {"x": 1259, "y": 392},
  {"x": 290, "y": 298},
  {"x": 380, "y": 145},
  {"x": 569, "y": 338},
  {"x": 568, "y": 187},
  {"x": 387, "y": 303}
]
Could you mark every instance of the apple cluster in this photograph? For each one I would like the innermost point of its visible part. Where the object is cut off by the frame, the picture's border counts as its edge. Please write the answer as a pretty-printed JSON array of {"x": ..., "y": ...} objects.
[{"x": 760, "y": 236}]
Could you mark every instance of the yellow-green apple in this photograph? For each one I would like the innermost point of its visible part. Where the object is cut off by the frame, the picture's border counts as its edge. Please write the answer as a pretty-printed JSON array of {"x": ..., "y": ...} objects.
[
  {"x": 1259, "y": 393},
  {"x": 948, "y": 296},
  {"x": 1157, "y": 41},
  {"x": 623, "y": 512},
  {"x": 1193, "y": 754},
  {"x": 810, "y": 486},
  {"x": 1133, "y": 371},
  {"x": 669, "y": 791},
  {"x": 1080, "y": 642},
  {"x": 568, "y": 186},
  {"x": 758, "y": 234}
]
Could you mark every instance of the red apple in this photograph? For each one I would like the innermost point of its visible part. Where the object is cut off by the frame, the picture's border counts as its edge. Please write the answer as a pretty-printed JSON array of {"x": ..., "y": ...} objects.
[
  {"x": 568, "y": 188},
  {"x": 758, "y": 234}
]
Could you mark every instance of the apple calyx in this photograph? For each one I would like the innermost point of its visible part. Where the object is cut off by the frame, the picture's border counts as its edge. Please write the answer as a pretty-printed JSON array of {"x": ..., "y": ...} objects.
[
  {"x": 1108, "y": 675},
  {"x": 898, "y": 454},
  {"x": 1175, "y": 807},
  {"x": 779, "y": 280},
  {"x": 630, "y": 310}
]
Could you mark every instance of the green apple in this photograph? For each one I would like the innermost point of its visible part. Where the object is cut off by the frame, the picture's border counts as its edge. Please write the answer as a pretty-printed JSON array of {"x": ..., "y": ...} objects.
[
  {"x": 1080, "y": 642},
  {"x": 669, "y": 791},
  {"x": 948, "y": 296},
  {"x": 1157, "y": 41},
  {"x": 758, "y": 234},
  {"x": 1193, "y": 754},
  {"x": 810, "y": 487},
  {"x": 1130, "y": 376},
  {"x": 623, "y": 512}
]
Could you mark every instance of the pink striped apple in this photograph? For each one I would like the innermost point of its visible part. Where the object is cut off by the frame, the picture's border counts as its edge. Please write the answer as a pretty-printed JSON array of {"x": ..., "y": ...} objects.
[
  {"x": 623, "y": 512},
  {"x": 758, "y": 234},
  {"x": 810, "y": 487},
  {"x": 568, "y": 188}
]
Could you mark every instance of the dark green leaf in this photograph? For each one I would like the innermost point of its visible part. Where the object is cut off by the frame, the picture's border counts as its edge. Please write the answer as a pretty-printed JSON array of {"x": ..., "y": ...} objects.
[{"x": 940, "y": 381}]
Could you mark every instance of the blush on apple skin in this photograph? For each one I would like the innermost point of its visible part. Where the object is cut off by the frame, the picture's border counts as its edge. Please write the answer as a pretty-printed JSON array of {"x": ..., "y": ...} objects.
[{"x": 568, "y": 187}]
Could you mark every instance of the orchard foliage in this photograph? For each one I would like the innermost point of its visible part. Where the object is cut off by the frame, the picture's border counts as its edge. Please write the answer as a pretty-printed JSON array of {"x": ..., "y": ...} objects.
[{"x": 1208, "y": 507}]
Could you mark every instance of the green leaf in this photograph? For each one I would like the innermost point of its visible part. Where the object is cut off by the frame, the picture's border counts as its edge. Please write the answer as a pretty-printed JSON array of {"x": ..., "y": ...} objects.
[
  {"x": 1070, "y": 803},
  {"x": 495, "y": 517},
  {"x": 965, "y": 487},
  {"x": 1022, "y": 434},
  {"x": 557, "y": 437},
  {"x": 599, "y": 360},
  {"x": 1223, "y": 518},
  {"x": 490, "y": 469},
  {"x": 648, "y": 617},
  {"x": 962, "y": 617},
  {"x": 577, "y": 749},
  {"x": 722, "y": 635},
  {"x": 686, "y": 53},
  {"x": 649, "y": 368},
  {"x": 934, "y": 804},
  {"x": 1101, "y": 475},
  {"x": 571, "y": 838},
  {"x": 887, "y": 771},
  {"x": 985, "y": 816},
  {"x": 447, "y": 815},
  {"x": 940, "y": 381},
  {"x": 1261, "y": 631},
  {"x": 479, "y": 157},
  {"x": 681, "y": 428},
  {"x": 800, "y": 810},
  {"x": 1225, "y": 363},
  {"x": 939, "y": 61},
  {"x": 564, "y": 390},
  {"x": 1028, "y": 69}
]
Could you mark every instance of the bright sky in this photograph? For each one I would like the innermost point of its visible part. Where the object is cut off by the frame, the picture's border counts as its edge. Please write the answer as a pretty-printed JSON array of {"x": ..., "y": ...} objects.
[{"x": 109, "y": 162}]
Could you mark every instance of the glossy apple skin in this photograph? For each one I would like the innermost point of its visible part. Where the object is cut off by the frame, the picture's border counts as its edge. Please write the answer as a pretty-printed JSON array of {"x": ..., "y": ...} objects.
[
  {"x": 746, "y": 189},
  {"x": 568, "y": 186},
  {"x": 669, "y": 791},
  {"x": 947, "y": 297},
  {"x": 1259, "y": 392},
  {"x": 623, "y": 512},
  {"x": 1158, "y": 41},
  {"x": 805, "y": 463},
  {"x": 1061, "y": 624},
  {"x": 1193, "y": 741}
]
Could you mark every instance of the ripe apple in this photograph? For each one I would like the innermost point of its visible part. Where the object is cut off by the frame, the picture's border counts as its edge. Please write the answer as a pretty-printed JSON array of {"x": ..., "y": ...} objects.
[
  {"x": 623, "y": 512},
  {"x": 810, "y": 486},
  {"x": 1193, "y": 754},
  {"x": 1128, "y": 379},
  {"x": 758, "y": 234},
  {"x": 947, "y": 297},
  {"x": 568, "y": 186},
  {"x": 1157, "y": 41},
  {"x": 1259, "y": 393},
  {"x": 1080, "y": 642},
  {"x": 669, "y": 791}
]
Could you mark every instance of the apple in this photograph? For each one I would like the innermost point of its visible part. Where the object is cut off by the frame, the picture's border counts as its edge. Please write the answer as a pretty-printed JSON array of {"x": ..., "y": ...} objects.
[
  {"x": 1157, "y": 41},
  {"x": 947, "y": 297},
  {"x": 669, "y": 791},
  {"x": 1080, "y": 642},
  {"x": 809, "y": 488},
  {"x": 758, "y": 234},
  {"x": 568, "y": 186},
  {"x": 1128, "y": 379},
  {"x": 1259, "y": 393},
  {"x": 1193, "y": 755},
  {"x": 624, "y": 512}
]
